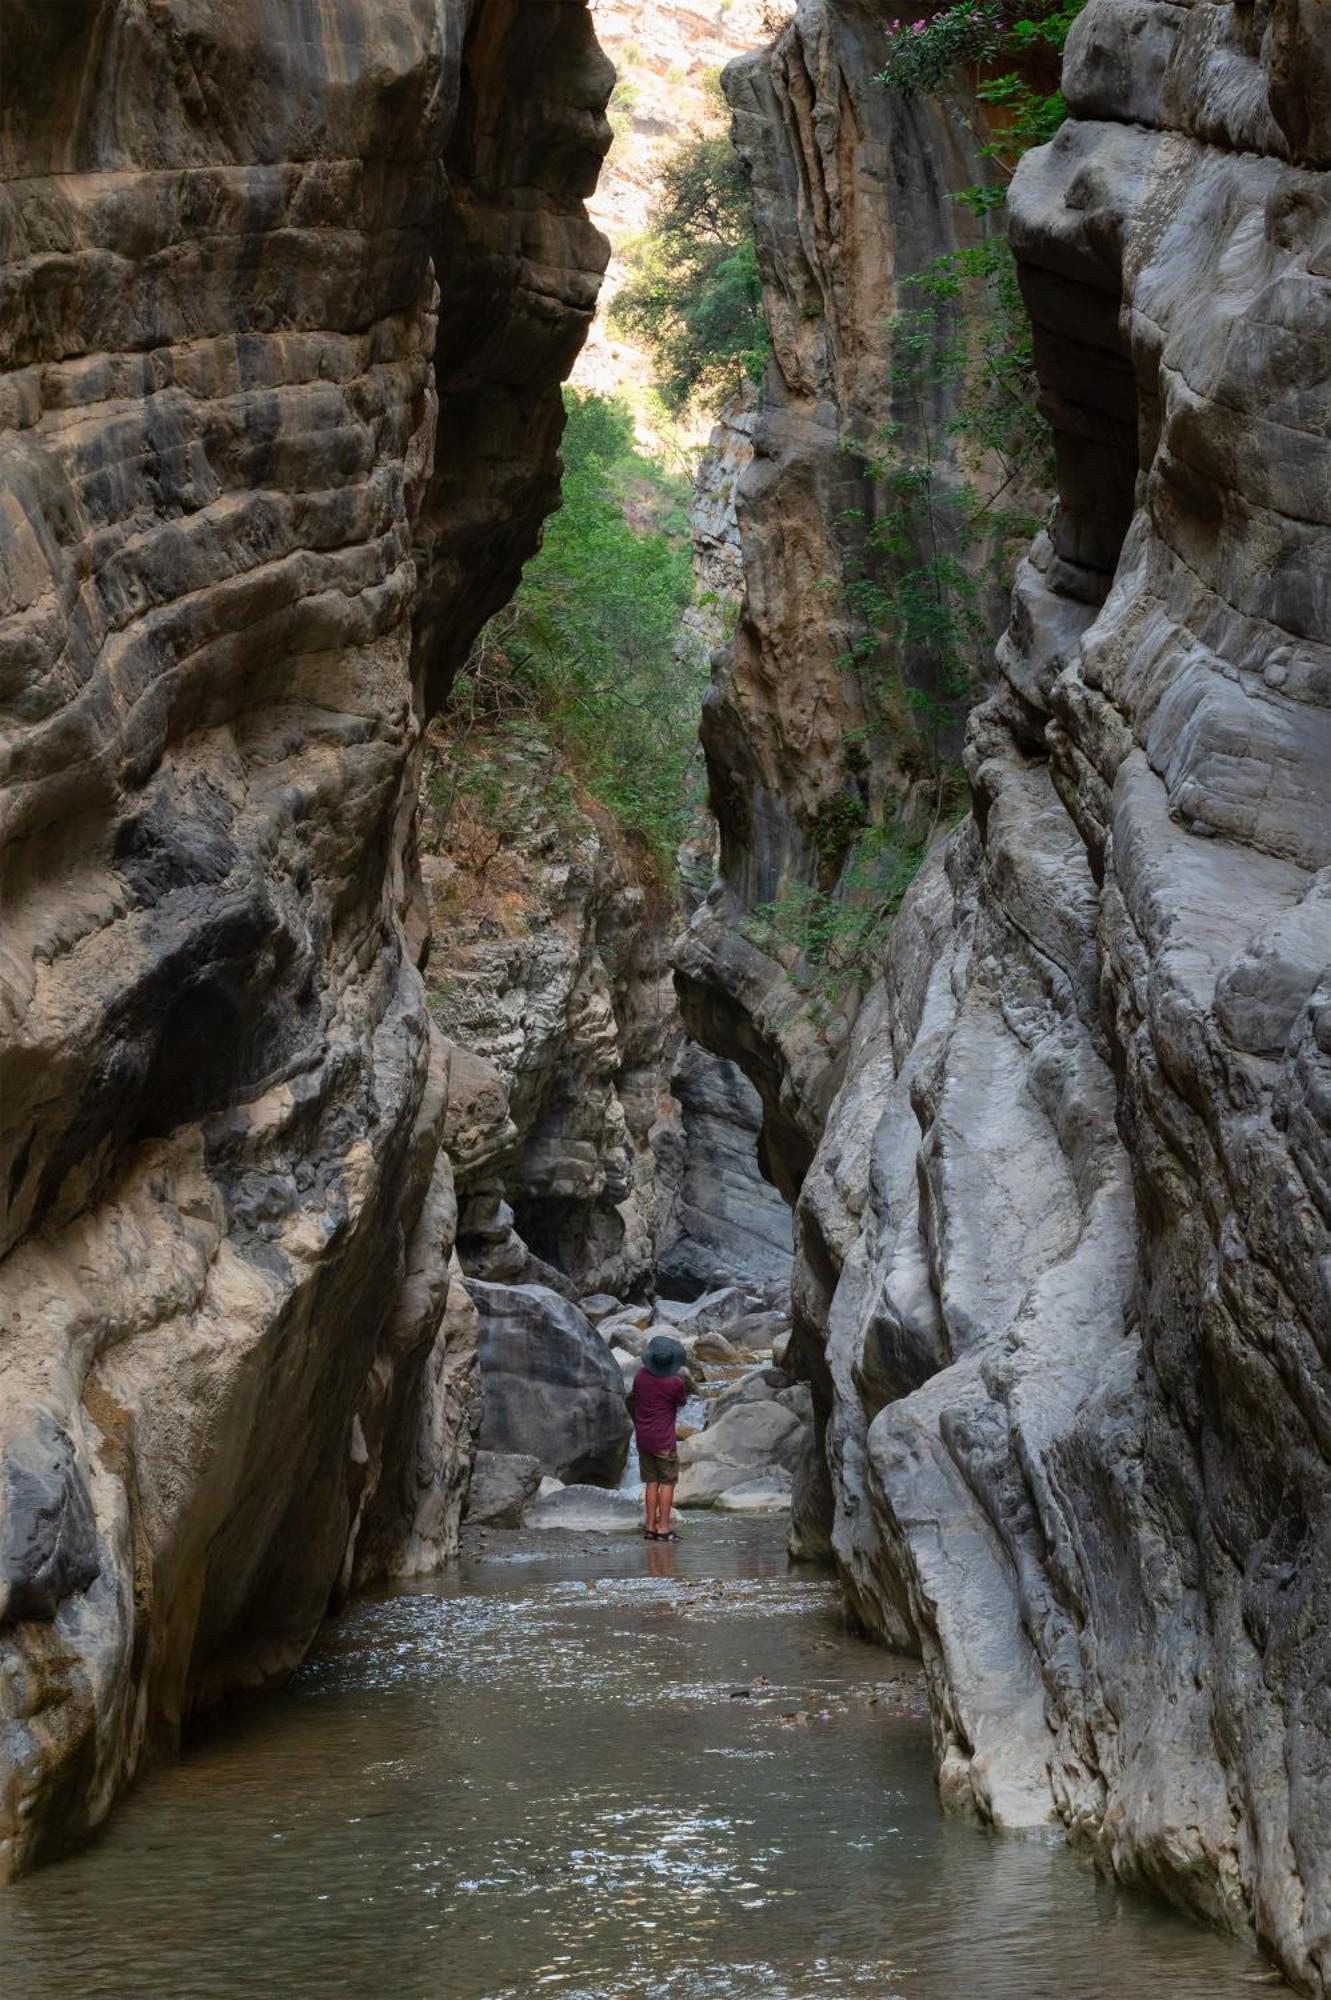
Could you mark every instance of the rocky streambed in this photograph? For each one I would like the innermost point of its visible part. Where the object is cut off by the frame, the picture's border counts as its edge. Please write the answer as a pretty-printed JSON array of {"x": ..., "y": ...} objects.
[
  {"x": 578, "y": 1764},
  {"x": 554, "y": 1427}
]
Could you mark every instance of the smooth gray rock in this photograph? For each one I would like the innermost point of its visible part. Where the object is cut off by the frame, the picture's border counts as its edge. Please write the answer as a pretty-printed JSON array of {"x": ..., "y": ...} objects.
[
  {"x": 768, "y": 1494},
  {"x": 1063, "y": 1168},
  {"x": 748, "y": 1434},
  {"x": 761, "y": 1386},
  {"x": 751, "y": 1438},
  {"x": 714, "y": 1312},
  {"x": 702, "y": 1483},
  {"x": 727, "y": 1222},
  {"x": 586, "y": 1510},
  {"x": 631, "y": 1328},
  {"x": 757, "y": 1332},
  {"x": 501, "y": 1485},
  {"x": 551, "y": 1386},
  {"x": 673, "y": 1312},
  {"x": 600, "y": 1306}
]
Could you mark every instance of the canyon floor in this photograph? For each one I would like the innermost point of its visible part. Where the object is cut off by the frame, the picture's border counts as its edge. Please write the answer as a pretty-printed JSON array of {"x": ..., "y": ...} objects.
[{"x": 578, "y": 1764}]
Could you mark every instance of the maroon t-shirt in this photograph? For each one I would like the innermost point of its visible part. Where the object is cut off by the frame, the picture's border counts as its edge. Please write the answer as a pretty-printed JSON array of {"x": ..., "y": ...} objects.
[{"x": 656, "y": 1398}]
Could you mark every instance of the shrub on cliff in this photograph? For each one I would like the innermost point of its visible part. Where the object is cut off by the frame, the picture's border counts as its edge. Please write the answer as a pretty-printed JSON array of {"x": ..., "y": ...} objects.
[
  {"x": 590, "y": 649},
  {"x": 968, "y": 41}
]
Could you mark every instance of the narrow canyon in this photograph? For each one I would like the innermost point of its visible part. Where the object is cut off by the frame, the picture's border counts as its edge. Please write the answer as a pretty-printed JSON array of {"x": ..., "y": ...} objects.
[{"x": 403, "y": 1017}]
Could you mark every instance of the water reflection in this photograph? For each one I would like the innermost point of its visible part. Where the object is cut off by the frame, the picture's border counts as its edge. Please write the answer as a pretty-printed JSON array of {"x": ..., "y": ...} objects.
[{"x": 600, "y": 1770}]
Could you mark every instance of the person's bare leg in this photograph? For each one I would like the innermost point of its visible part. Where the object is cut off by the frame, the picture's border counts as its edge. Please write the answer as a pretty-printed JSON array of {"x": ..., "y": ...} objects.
[
  {"x": 649, "y": 1501},
  {"x": 664, "y": 1500}
]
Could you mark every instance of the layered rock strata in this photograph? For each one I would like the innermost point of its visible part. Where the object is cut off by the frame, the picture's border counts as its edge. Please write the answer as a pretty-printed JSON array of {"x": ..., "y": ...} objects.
[
  {"x": 1064, "y": 1233},
  {"x": 290, "y": 288},
  {"x": 550, "y": 963},
  {"x": 721, "y": 1217}
]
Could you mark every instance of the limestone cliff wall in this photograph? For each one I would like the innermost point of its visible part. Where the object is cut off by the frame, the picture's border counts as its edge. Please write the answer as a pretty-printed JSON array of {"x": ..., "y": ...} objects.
[
  {"x": 1063, "y": 1228},
  {"x": 852, "y": 195},
  {"x": 550, "y": 962},
  {"x": 289, "y": 287}
]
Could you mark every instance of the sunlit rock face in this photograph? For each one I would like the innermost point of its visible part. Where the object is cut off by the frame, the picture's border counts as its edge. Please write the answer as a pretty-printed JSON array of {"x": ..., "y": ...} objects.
[
  {"x": 290, "y": 287},
  {"x": 1063, "y": 1250},
  {"x": 853, "y": 194}
]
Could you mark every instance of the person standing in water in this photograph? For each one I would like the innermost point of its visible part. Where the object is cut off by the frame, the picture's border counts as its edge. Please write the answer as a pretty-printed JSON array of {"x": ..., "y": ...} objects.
[{"x": 660, "y": 1389}]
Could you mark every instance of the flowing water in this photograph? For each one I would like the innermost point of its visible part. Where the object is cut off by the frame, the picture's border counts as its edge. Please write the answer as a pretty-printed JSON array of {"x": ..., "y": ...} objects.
[{"x": 587, "y": 1767}]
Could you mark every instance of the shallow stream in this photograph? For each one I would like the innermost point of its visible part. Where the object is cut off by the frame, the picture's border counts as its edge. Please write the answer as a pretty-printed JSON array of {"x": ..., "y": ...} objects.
[{"x": 584, "y": 1766}]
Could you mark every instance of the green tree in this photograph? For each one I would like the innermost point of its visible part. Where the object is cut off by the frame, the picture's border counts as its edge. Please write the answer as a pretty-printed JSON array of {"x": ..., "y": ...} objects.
[
  {"x": 589, "y": 651},
  {"x": 694, "y": 298}
]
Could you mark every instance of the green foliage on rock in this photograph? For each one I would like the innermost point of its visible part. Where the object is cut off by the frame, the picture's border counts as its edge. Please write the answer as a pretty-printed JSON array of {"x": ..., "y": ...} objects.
[
  {"x": 969, "y": 41},
  {"x": 589, "y": 651},
  {"x": 837, "y": 939},
  {"x": 958, "y": 498},
  {"x": 955, "y": 498},
  {"x": 694, "y": 299},
  {"x": 926, "y": 562}
]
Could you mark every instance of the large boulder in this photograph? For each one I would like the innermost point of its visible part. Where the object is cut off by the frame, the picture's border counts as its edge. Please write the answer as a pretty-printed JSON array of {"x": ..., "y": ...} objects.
[
  {"x": 630, "y": 1334},
  {"x": 703, "y": 1483},
  {"x": 747, "y": 1442},
  {"x": 748, "y": 1434},
  {"x": 758, "y": 1332},
  {"x": 551, "y": 1386},
  {"x": 762, "y": 1385},
  {"x": 714, "y": 1347},
  {"x": 706, "y": 1315},
  {"x": 601, "y": 1305},
  {"x": 502, "y": 1482}
]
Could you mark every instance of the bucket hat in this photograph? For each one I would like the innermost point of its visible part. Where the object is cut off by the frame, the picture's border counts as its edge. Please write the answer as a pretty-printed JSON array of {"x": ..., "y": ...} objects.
[{"x": 664, "y": 1356}]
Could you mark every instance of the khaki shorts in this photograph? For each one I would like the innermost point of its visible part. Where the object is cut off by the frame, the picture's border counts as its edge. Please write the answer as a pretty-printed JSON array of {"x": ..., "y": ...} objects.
[{"x": 658, "y": 1468}]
